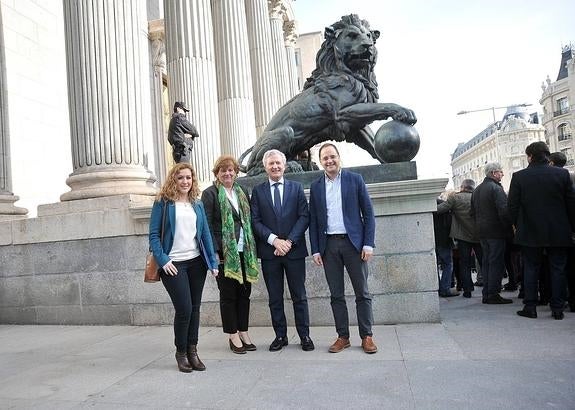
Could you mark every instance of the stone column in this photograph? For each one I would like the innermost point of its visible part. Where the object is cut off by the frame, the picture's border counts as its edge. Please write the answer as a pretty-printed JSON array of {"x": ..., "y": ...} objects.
[
  {"x": 158, "y": 58},
  {"x": 278, "y": 47},
  {"x": 262, "y": 63},
  {"x": 7, "y": 198},
  {"x": 290, "y": 37},
  {"x": 235, "y": 99},
  {"x": 192, "y": 74},
  {"x": 109, "y": 101}
]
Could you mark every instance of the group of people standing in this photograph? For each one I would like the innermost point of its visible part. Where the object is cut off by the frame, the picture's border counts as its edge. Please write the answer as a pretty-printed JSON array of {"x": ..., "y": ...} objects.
[
  {"x": 227, "y": 231},
  {"x": 537, "y": 215}
]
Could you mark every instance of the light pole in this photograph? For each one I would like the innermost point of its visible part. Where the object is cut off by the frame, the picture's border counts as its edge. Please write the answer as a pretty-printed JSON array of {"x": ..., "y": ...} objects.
[{"x": 492, "y": 110}]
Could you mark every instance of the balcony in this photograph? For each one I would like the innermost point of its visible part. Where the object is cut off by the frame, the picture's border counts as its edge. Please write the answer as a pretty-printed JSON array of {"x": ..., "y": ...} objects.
[
  {"x": 570, "y": 163},
  {"x": 564, "y": 137},
  {"x": 561, "y": 112}
]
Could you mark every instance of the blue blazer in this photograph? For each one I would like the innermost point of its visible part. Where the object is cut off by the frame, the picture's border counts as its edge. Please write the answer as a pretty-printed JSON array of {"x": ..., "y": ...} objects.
[
  {"x": 358, "y": 217},
  {"x": 162, "y": 250},
  {"x": 291, "y": 224}
]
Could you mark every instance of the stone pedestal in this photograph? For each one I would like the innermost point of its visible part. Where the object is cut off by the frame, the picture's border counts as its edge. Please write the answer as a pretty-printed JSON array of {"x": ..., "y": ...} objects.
[{"x": 81, "y": 262}]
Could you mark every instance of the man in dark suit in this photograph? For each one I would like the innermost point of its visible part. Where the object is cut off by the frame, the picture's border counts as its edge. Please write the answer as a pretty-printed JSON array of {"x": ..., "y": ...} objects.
[
  {"x": 542, "y": 206},
  {"x": 280, "y": 217},
  {"x": 342, "y": 230}
]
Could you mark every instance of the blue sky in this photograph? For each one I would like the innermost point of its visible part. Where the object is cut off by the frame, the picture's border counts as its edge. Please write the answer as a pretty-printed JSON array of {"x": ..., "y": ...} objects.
[{"x": 439, "y": 57}]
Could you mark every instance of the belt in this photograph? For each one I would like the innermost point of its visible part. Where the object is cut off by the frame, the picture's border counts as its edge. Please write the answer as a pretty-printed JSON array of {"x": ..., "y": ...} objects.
[{"x": 337, "y": 235}]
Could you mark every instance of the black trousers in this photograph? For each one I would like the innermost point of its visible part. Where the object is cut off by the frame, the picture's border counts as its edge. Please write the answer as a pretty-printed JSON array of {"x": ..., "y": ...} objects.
[
  {"x": 185, "y": 290},
  {"x": 493, "y": 265},
  {"x": 234, "y": 301},
  {"x": 274, "y": 271},
  {"x": 465, "y": 260},
  {"x": 532, "y": 260}
]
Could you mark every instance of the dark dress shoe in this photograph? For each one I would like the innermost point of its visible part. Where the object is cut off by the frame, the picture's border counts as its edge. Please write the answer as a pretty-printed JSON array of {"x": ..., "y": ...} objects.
[
  {"x": 278, "y": 343},
  {"x": 249, "y": 347},
  {"x": 183, "y": 363},
  {"x": 530, "y": 313},
  {"x": 307, "y": 344},
  {"x": 497, "y": 300},
  {"x": 467, "y": 294},
  {"x": 235, "y": 349},
  {"x": 557, "y": 315}
]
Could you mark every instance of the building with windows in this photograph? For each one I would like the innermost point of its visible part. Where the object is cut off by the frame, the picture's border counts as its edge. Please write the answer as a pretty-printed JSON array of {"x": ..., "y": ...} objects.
[
  {"x": 502, "y": 141},
  {"x": 558, "y": 101}
]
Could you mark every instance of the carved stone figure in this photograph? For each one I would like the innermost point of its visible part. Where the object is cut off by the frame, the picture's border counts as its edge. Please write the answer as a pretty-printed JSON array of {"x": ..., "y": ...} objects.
[
  {"x": 338, "y": 102},
  {"x": 178, "y": 132}
]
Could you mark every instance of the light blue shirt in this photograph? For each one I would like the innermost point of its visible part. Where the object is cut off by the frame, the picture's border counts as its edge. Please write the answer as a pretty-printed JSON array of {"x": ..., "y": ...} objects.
[
  {"x": 335, "y": 223},
  {"x": 273, "y": 236}
]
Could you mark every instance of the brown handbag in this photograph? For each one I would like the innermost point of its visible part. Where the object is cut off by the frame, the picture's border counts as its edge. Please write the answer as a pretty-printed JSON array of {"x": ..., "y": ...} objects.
[{"x": 152, "y": 271}]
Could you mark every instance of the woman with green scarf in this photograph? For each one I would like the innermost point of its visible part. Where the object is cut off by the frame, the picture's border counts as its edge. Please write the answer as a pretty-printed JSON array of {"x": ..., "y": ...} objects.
[{"x": 228, "y": 212}]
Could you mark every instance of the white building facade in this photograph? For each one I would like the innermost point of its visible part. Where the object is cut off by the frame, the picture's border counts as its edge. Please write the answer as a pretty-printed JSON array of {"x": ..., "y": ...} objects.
[
  {"x": 558, "y": 101},
  {"x": 85, "y": 107},
  {"x": 503, "y": 141}
]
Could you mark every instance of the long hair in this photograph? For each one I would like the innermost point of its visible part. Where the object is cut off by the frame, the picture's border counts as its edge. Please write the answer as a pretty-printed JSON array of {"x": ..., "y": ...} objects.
[{"x": 169, "y": 191}]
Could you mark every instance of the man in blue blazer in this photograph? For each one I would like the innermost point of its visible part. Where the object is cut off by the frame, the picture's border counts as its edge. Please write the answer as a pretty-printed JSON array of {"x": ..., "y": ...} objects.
[
  {"x": 280, "y": 217},
  {"x": 341, "y": 232}
]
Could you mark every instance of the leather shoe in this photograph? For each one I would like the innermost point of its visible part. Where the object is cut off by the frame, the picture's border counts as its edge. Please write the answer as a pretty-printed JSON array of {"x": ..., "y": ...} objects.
[
  {"x": 557, "y": 315},
  {"x": 183, "y": 363},
  {"x": 235, "y": 349},
  {"x": 467, "y": 294},
  {"x": 497, "y": 300},
  {"x": 368, "y": 346},
  {"x": 340, "y": 344},
  {"x": 194, "y": 359},
  {"x": 307, "y": 344},
  {"x": 449, "y": 293},
  {"x": 530, "y": 313},
  {"x": 278, "y": 343},
  {"x": 249, "y": 347}
]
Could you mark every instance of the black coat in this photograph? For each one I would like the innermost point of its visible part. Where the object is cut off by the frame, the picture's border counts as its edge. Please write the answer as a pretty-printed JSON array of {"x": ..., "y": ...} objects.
[
  {"x": 542, "y": 206},
  {"x": 442, "y": 228},
  {"x": 214, "y": 216},
  {"x": 489, "y": 209},
  {"x": 179, "y": 127}
]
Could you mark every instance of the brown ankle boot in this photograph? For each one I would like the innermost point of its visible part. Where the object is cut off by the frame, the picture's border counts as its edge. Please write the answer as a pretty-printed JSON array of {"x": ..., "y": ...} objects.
[
  {"x": 183, "y": 363},
  {"x": 194, "y": 359}
]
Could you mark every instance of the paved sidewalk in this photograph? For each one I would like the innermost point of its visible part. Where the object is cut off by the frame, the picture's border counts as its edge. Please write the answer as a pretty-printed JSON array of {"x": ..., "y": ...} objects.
[{"x": 480, "y": 357}]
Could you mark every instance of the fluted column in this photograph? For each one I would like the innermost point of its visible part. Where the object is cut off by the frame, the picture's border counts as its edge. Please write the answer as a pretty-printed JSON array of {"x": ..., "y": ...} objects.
[
  {"x": 192, "y": 74},
  {"x": 264, "y": 84},
  {"x": 7, "y": 198},
  {"x": 235, "y": 99},
  {"x": 158, "y": 58},
  {"x": 109, "y": 101},
  {"x": 290, "y": 37},
  {"x": 278, "y": 48}
]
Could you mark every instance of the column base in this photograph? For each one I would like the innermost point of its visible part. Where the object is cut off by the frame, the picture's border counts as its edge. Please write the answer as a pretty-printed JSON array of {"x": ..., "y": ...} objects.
[
  {"x": 109, "y": 182},
  {"x": 7, "y": 209}
]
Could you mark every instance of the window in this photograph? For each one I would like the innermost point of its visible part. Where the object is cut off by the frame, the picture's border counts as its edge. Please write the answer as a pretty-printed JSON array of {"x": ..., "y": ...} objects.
[
  {"x": 562, "y": 106},
  {"x": 563, "y": 133}
]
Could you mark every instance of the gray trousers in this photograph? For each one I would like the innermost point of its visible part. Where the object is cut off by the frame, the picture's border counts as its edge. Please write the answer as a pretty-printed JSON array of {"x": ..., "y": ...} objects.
[{"x": 340, "y": 253}]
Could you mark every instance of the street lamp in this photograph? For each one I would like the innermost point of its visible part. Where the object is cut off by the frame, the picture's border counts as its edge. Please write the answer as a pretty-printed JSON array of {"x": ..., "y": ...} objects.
[{"x": 493, "y": 110}]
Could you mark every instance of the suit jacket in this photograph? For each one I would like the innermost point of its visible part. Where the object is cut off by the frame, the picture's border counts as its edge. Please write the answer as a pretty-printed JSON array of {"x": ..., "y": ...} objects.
[
  {"x": 291, "y": 224},
  {"x": 162, "y": 250},
  {"x": 357, "y": 212},
  {"x": 542, "y": 206},
  {"x": 214, "y": 217}
]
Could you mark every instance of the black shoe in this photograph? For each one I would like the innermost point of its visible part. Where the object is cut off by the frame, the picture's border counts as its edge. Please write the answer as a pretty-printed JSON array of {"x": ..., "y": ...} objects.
[
  {"x": 497, "y": 300},
  {"x": 557, "y": 315},
  {"x": 307, "y": 344},
  {"x": 235, "y": 349},
  {"x": 249, "y": 347},
  {"x": 531, "y": 313},
  {"x": 467, "y": 294},
  {"x": 278, "y": 343},
  {"x": 448, "y": 293},
  {"x": 477, "y": 283}
]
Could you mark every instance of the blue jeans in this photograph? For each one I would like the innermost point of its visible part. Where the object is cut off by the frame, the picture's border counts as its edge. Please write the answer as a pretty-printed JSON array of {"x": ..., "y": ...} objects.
[{"x": 445, "y": 262}]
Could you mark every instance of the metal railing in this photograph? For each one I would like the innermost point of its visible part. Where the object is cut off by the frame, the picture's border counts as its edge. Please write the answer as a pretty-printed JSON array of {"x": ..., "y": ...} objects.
[
  {"x": 564, "y": 137},
  {"x": 561, "y": 112}
]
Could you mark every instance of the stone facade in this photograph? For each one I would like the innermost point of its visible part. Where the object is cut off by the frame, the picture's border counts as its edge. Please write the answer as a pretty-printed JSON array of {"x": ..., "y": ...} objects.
[{"x": 558, "y": 101}]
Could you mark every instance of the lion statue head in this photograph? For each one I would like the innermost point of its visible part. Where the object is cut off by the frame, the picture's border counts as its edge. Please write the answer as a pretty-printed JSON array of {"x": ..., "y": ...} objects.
[{"x": 349, "y": 47}]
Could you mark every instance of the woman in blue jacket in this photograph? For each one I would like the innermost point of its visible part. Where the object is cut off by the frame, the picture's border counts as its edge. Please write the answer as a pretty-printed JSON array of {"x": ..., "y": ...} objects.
[{"x": 185, "y": 254}]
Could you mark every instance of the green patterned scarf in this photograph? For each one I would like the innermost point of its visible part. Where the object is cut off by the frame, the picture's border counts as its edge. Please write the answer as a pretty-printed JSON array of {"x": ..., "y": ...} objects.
[{"x": 232, "y": 263}]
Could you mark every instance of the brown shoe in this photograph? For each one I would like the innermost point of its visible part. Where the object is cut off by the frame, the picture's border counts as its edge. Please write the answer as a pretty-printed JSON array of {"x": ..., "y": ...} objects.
[
  {"x": 340, "y": 344},
  {"x": 368, "y": 346},
  {"x": 194, "y": 359},
  {"x": 183, "y": 363}
]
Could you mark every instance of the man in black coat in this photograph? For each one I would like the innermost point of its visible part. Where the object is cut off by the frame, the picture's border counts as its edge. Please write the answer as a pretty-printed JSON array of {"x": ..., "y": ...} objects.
[
  {"x": 179, "y": 127},
  {"x": 489, "y": 209},
  {"x": 542, "y": 207}
]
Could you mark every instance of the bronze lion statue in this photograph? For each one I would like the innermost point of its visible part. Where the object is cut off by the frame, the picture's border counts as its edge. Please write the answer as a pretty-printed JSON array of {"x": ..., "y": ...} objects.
[{"x": 338, "y": 101}]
